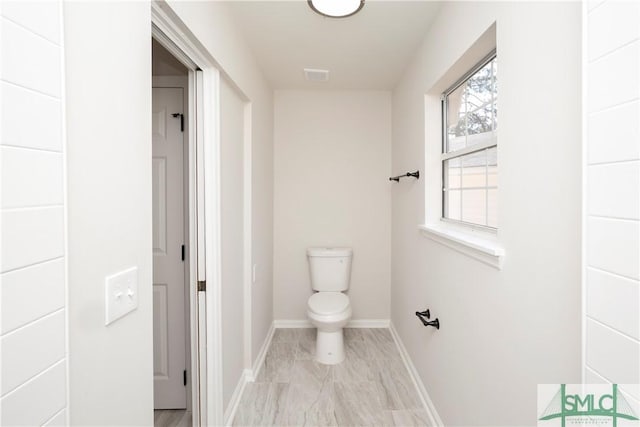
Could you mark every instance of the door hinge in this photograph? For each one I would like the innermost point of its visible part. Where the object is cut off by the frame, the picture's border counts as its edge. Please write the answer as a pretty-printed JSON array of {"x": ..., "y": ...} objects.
[
  {"x": 184, "y": 377},
  {"x": 182, "y": 252},
  {"x": 181, "y": 120},
  {"x": 202, "y": 285}
]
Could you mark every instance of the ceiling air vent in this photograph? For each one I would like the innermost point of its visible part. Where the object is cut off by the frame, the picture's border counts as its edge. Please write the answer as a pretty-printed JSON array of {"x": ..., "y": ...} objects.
[{"x": 314, "y": 75}]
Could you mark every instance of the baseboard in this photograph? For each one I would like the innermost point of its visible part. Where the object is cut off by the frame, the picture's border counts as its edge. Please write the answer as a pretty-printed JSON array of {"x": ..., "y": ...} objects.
[
  {"x": 356, "y": 323},
  {"x": 413, "y": 372},
  {"x": 234, "y": 402},
  {"x": 286, "y": 323},
  {"x": 259, "y": 360},
  {"x": 369, "y": 323},
  {"x": 248, "y": 376}
]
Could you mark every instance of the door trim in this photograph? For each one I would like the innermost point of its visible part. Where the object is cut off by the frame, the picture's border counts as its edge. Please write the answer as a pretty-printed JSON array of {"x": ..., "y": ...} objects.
[
  {"x": 249, "y": 272},
  {"x": 204, "y": 211}
]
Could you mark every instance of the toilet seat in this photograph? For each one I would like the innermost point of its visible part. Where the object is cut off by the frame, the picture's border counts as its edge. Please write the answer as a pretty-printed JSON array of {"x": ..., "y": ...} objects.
[{"x": 328, "y": 303}]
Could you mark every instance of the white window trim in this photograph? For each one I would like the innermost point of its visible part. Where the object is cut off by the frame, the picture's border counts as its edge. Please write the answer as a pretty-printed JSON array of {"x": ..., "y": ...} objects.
[
  {"x": 486, "y": 140},
  {"x": 477, "y": 245},
  {"x": 474, "y": 241},
  {"x": 483, "y": 141}
]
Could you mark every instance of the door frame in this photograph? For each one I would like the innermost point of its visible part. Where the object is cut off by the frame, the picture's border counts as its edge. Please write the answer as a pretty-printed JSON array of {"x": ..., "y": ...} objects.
[{"x": 203, "y": 211}]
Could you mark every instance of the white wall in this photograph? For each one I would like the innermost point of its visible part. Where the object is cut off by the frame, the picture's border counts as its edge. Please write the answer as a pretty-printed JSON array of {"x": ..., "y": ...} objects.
[
  {"x": 502, "y": 331},
  {"x": 33, "y": 342},
  {"x": 332, "y": 158},
  {"x": 232, "y": 236},
  {"x": 109, "y": 184},
  {"x": 110, "y": 191},
  {"x": 612, "y": 192},
  {"x": 214, "y": 27}
]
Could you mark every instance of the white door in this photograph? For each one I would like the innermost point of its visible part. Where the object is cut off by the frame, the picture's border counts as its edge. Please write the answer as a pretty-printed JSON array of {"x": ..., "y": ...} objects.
[{"x": 169, "y": 343}]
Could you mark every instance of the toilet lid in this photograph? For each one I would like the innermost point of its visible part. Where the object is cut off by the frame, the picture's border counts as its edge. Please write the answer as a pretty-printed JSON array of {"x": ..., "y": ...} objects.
[{"x": 328, "y": 302}]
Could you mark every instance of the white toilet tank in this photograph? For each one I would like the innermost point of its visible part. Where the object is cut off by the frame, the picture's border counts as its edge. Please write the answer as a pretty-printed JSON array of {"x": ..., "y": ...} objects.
[{"x": 330, "y": 268}]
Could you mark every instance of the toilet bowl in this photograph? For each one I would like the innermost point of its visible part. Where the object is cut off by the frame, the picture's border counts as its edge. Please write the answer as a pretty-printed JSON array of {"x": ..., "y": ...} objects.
[
  {"x": 329, "y": 309},
  {"x": 329, "y": 312}
]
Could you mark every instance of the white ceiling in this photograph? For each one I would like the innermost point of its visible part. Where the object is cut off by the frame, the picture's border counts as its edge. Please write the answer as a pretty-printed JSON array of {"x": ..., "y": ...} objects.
[{"x": 369, "y": 50}]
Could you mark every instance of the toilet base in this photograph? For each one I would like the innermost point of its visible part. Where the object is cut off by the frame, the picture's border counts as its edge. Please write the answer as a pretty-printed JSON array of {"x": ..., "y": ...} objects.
[{"x": 330, "y": 347}]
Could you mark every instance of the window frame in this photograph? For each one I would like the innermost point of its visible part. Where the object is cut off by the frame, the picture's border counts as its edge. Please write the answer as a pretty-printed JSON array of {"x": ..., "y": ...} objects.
[{"x": 466, "y": 150}]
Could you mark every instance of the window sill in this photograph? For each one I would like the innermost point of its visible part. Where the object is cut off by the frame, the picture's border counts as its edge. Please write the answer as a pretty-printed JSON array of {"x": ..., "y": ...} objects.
[{"x": 480, "y": 248}]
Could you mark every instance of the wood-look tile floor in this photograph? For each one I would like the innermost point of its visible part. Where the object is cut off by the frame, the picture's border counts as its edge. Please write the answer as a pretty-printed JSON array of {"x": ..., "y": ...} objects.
[
  {"x": 370, "y": 388},
  {"x": 171, "y": 418}
]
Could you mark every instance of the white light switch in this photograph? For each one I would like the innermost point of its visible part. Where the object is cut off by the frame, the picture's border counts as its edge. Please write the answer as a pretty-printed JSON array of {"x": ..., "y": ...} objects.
[{"x": 121, "y": 293}]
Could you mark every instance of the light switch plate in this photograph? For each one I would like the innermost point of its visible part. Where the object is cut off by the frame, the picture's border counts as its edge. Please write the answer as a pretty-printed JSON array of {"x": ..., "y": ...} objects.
[{"x": 121, "y": 294}]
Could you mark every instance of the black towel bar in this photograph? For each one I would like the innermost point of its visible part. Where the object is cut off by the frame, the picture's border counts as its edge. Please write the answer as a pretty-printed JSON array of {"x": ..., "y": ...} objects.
[
  {"x": 415, "y": 174},
  {"x": 435, "y": 323}
]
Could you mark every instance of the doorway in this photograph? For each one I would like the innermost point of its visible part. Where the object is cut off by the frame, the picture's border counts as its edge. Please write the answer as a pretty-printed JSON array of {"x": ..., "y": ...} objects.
[
  {"x": 171, "y": 303},
  {"x": 202, "y": 211}
]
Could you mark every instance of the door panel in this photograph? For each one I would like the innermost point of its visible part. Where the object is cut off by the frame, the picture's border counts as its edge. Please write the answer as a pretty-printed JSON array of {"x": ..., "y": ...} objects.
[
  {"x": 160, "y": 331},
  {"x": 169, "y": 340},
  {"x": 159, "y": 169}
]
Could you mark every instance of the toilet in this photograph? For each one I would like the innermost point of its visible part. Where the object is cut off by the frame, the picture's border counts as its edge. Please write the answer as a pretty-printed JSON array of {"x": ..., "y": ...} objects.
[{"x": 329, "y": 309}]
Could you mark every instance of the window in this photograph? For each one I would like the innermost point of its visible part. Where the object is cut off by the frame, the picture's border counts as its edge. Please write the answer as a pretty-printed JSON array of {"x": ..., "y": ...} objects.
[{"x": 470, "y": 147}]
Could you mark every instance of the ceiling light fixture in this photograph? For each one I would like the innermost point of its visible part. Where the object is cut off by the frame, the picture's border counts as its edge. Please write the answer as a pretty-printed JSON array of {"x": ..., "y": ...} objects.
[{"x": 336, "y": 8}]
